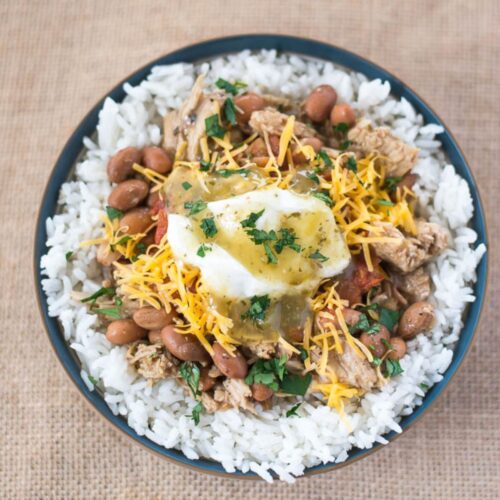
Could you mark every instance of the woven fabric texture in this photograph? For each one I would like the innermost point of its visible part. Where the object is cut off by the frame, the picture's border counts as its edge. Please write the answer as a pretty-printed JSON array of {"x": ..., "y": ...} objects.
[{"x": 58, "y": 57}]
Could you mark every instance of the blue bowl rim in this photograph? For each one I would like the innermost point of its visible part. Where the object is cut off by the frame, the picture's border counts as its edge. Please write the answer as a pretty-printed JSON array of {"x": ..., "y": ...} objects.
[{"x": 206, "y": 50}]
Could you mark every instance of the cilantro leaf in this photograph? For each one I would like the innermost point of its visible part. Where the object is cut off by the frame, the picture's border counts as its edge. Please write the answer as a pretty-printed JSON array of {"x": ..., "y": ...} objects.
[
  {"x": 208, "y": 227},
  {"x": 259, "y": 236},
  {"x": 271, "y": 258},
  {"x": 195, "y": 207},
  {"x": 361, "y": 325},
  {"x": 259, "y": 304},
  {"x": 252, "y": 219},
  {"x": 92, "y": 379},
  {"x": 141, "y": 247},
  {"x": 109, "y": 291},
  {"x": 213, "y": 127},
  {"x": 376, "y": 361},
  {"x": 190, "y": 372},
  {"x": 197, "y": 410},
  {"x": 122, "y": 240},
  {"x": 296, "y": 384},
  {"x": 313, "y": 177},
  {"x": 324, "y": 197},
  {"x": 352, "y": 164},
  {"x": 391, "y": 183},
  {"x": 68, "y": 256},
  {"x": 113, "y": 213},
  {"x": 344, "y": 145},
  {"x": 205, "y": 165},
  {"x": 392, "y": 367},
  {"x": 113, "y": 312},
  {"x": 388, "y": 318},
  {"x": 231, "y": 88},
  {"x": 229, "y": 110},
  {"x": 323, "y": 156},
  {"x": 269, "y": 372},
  {"x": 318, "y": 256},
  {"x": 423, "y": 386},
  {"x": 292, "y": 412},
  {"x": 227, "y": 172},
  {"x": 386, "y": 203},
  {"x": 342, "y": 128},
  {"x": 203, "y": 249},
  {"x": 286, "y": 238},
  {"x": 186, "y": 185},
  {"x": 303, "y": 354}
]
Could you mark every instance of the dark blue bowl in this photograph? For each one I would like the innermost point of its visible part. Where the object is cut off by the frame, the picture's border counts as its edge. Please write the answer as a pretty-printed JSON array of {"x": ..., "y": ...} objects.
[{"x": 207, "y": 50}]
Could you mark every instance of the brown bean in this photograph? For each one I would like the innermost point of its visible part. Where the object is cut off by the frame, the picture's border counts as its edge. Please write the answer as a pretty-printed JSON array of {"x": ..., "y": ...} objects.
[
  {"x": 183, "y": 346},
  {"x": 314, "y": 142},
  {"x": 154, "y": 337},
  {"x": 398, "y": 348},
  {"x": 128, "y": 194},
  {"x": 418, "y": 318},
  {"x": 124, "y": 331},
  {"x": 348, "y": 290},
  {"x": 157, "y": 159},
  {"x": 153, "y": 319},
  {"x": 320, "y": 102},
  {"x": 274, "y": 142},
  {"x": 136, "y": 220},
  {"x": 407, "y": 181},
  {"x": 247, "y": 104},
  {"x": 261, "y": 161},
  {"x": 232, "y": 366},
  {"x": 261, "y": 392},
  {"x": 351, "y": 317},
  {"x": 343, "y": 113},
  {"x": 120, "y": 165},
  {"x": 374, "y": 341},
  {"x": 258, "y": 147},
  {"x": 206, "y": 382}
]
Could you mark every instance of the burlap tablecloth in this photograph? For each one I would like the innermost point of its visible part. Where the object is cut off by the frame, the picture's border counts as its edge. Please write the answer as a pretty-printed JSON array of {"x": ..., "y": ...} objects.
[{"x": 57, "y": 59}]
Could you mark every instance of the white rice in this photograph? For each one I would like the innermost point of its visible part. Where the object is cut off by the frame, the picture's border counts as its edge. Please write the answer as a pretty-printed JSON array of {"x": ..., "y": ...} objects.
[{"x": 269, "y": 442}]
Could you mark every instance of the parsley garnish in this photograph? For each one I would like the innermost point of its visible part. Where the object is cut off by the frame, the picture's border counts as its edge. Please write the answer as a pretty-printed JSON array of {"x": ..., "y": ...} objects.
[
  {"x": 342, "y": 128},
  {"x": 324, "y": 197},
  {"x": 323, "y": 156},
  {"x": 195, "y": 207},
  {"x": 190, "y": 372},
  {"x": 259, "y": 236},
  {"x": 286, "y": 238},
  {"x": 227, "y": 172},
  {"x": 252, "y": 219},
  {"x": 205, "y": 165},
  {"x": 388, "y": 318},
  {"x": 387, "y": 344},
  {"x": 213, "y": 127},
  {"x": 110, "y": 292},
  {"x": 113, "y": 213},
  {"x": 292, "y": 412},
  {"x": 352, "y": 164},
  {"x": 208, "y": 226},
  {"x": 303, "y": 354},
  {"x": 387, "y": 203},
  {"x": 271, "y": 258},
  {"x": 231, "y": 88},
  {"x": 259, "y": 304},
  {"x": 313, "y": 177},
  {"x": 363, "y": 325},
  {"x": 203, "y": 249},
  {"x": 391, "y": 183},
  {"x": 186, "y": 185},
  {"x": 197, "y": 410},
  {"x": 113, "y": 312},
  {"x": 118, "y": 301},
  {"x": 122, "y": 240},
  {"x": 92, "y": 379},
  {"x": 392, "y": 367},
  {"x": 423, "y": 386},
  {"x": 344, "y": 145},
  {"x": 229, "y": 110},
  {"x": 376, "y": 361},
  {"x": 296, "y": 384},
  {"x": 69, "y": 256},
  {"x": 141, "y": 247},
  {"x": 318, "y": 256},
  {"x": 269, "y": 372}
]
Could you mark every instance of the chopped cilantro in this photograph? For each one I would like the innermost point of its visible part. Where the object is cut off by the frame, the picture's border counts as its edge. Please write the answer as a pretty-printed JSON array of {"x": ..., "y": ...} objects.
[
  {"x": 123, "y": 240},
  {"x": 69, "y": 256},
  {"x": 118, "y": 301},
  {"x": 392, "y": 367},
  {"x": 323, "y": 156},
  {"x": 186, "y": 185},
  {"x": 376, "y": 361},
  {"x": 292, "y": 412},
  {"x": 190, "y": 372},
  {"x": 269, "y": 372},
  {"x": 203, "y": 249},
  {"x": 423, "y": 386},
  {"x": 197, "y": 410},
  {"x": 388, "y": 318},
  {"x": 286, "y": 238},
  {"x": 259, "y": 236},
  {"x": 213, "y": 127},
  {"x": 205, "y": 165},
  {"x": 386, "y": 203},
  {"x": 313, "y": 177},
  {"x": 318, "y": 256},
  {"x": 303, "y": 354},
  {"x": 109, "y": 291},
  {"x": 391, "y": 183},
  {"x": 231, "y": 88},
  {"x": 361, "y": 325},
  {"x": 227, "y": 172},
  {"x": 208, "y": 226},
  {"x": 113, "y": 213},
  {"x": 113, "y": 312},
  {"x": 92, "y": 379},
  {"x": 387, "y": 344},
  {"x": 252, "y": 219},
  {"x": 259, "y": 304},
  {"x": 141, "y": 247},
  {"x": 324, "y": 197},
  {"x": 296, "y": 384},
  {"x": 342, "y": 128},
  {"x": 344, "y": 145},
  {"x": 229, "y": 110},
  {"x": 352, "y": 164},
  {"x": 195, "y": 207},
  {"x": 271, "y": 258}
]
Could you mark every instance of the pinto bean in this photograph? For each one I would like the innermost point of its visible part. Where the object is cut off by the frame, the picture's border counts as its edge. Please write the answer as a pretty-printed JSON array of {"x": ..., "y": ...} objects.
[
  {"x": 124, "y": 331},
  {"x": 258, "y": 147},
  {"x": 247, "y": 104},
  {"x": 314, "y": 142},
  {"x": 374, "y": 341},
  {"x": 154, "y": 337},
  {"x": 348, "y": 290},
  {"x": 351, "y": 317},
  {"x": 232, "y": 366},
  {"x": 128, "y": 194},
  {"x": 136, "y": 220},
  {"x": 407, "y": 181},
  {"x": 274, "y": 142},
  {"x": 183, "y": 346},
  {"x": 418, "y": 318},
  {"x": 120, "y": 165},
  {"x": 206, "y": 382},
  {"x": 157, "y": 159},
  {"x": 261, "y": 161},
  {"x": 343, "y": 113},
  {"x": 319, "y": 103},
  {"x": 398, "y": 348},
  {"x": 153, "y": 319},
  {"x": 261, "y": 392}
]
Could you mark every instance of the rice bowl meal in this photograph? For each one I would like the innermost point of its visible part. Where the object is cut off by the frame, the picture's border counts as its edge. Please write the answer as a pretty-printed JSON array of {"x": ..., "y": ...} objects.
[{"x": 263, "y": 260}]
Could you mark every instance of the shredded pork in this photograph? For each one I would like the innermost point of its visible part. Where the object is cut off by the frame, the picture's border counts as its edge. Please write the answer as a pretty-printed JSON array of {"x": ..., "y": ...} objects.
[
  {"x": 151, "y": 361},
  {"x": 270, "y": 121}
]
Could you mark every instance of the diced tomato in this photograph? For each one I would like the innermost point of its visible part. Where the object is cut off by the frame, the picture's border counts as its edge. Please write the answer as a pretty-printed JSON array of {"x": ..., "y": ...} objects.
[
  {"x": 162, "y": 226},
  {"x": 157, "y": 206},
  {"x": 364, "y": 278}
]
